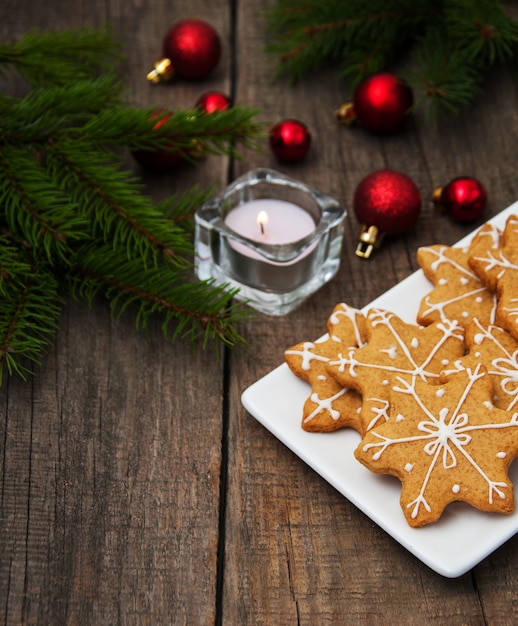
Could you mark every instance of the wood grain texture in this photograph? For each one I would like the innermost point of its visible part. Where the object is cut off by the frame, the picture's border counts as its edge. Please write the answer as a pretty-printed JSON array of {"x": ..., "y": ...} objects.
[{"x": 135, "y": 489}]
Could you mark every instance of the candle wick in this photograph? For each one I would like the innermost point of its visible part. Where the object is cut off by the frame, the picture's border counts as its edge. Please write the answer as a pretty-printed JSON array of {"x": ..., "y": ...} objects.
[{"x": 262, "y": 228}]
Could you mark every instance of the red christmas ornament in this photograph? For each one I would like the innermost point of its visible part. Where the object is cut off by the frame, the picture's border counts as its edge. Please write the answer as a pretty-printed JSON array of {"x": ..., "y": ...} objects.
[
  {"x": 290, "y": 140},
  {"x": 213, "y": 101},
  {"x": 463, "y": 198},
  {"x": 160, "y": 160},
  {"x": 191, "y": 49},
  {"x": 381, "y": 104},
  {"x": 385, "y": 202}
]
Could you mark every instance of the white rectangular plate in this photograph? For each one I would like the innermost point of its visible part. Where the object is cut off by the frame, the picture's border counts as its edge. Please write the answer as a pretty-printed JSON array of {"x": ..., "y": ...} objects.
[{"x": 452, "y": 546}]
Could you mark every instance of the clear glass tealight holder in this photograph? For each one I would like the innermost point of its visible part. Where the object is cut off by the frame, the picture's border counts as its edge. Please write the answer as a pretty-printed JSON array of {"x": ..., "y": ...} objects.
[{"x": 274, "y": 238}]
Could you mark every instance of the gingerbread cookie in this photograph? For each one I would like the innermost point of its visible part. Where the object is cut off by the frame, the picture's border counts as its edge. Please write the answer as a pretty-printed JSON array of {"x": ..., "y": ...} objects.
[
  {"x": 458, "y": 293},
  {"x": 497, "y": 268},
  {"x": 329, "y": 406},
  {"x": 445, "y": 443},
  {"x": 394, "y": 348},
  {"x": 497, "y": 350}
]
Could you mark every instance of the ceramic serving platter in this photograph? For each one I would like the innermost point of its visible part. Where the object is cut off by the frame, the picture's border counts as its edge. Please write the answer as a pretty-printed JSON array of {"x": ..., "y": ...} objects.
[{"x": 452, "y": 546}]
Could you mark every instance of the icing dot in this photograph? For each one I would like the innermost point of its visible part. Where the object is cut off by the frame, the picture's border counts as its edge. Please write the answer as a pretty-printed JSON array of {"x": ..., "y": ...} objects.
[
  {"x": 385, "y": 382},
  {"x": 445, "y": 361},
  {"x": 443, "y": 281},
  {"x": 415, "y": 342},
  {"x": 478, "y": 338},
  {"x": 465, "y": 314},
  {"x": 478, "y": 299},
  {"x": 440, "y": 393},
  {"x": 399, "y": 417},
  {"x": 455, "y": 488},
  {"x": 488, "y": 404},
  {"x": 409, "y": 467},
  {"x": 501, "y": 455},
  {"x": 321, "y": 377},
  {"x": 464, "y": 281}
]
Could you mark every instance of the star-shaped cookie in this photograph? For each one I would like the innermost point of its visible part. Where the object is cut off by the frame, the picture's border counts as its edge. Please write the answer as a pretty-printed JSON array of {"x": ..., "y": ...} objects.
[
  {"x": 329, "y": 406},
  {"x": 394, "y": 348},
  {"x": 458, "y": 293},
  {"x": 497, "y": 268},
  {"x": 445, "y": 443}
]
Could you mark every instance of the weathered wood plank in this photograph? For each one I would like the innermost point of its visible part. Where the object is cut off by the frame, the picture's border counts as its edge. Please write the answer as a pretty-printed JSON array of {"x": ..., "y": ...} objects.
[
  {"x": 112, "y": 453},
  {"x": 296, "y": 551}
]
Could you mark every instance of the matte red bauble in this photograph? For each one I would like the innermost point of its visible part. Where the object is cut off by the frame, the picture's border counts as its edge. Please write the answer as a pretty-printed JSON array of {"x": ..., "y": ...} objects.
[
  {"x": 159, "y": 160},
  {"x": 463, "y": 198},
  {"x": 213, "y": 101},
  {"x": 290, "y": 140},
  {"x": 386, "y": 202},
  {"x": 191, "y": 49},
  {"x": 381, "y": 104}
]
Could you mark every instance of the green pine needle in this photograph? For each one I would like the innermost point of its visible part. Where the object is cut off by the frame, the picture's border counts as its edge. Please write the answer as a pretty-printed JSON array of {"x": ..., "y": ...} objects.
[
  {"x": 360, "y": 38},
  {"x": 72, "y": 214}
]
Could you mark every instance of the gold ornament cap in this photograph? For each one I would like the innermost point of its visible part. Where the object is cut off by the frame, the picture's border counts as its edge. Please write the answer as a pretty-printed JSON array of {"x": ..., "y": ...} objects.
[
  {"x": 369, "y": 238},
  {"x": 162, "y": 71},
  {"x": 346, "y": 114},
  {"x": 437, "y": 198}
]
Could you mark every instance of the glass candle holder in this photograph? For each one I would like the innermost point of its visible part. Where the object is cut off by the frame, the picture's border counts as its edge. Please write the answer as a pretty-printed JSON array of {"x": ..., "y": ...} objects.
[{"x": 272, "y": 237}]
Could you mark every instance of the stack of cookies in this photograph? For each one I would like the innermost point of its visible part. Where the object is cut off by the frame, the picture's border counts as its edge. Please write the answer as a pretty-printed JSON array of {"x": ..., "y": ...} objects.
[{"x": 435, "y": 402}]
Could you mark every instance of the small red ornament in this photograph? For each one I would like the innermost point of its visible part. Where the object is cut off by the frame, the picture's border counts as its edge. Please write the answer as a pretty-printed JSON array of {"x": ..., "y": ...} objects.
[
  {"x": 386, "y": 202},
  {"x": 464, "y": 198},
  {"x": 191, "y": 49},
  {"x": 160, "y": 160},
  {"x": 213, "y": 101},
  {"x": 290, "y": 140},
  {"x": 381, "y": 104}
]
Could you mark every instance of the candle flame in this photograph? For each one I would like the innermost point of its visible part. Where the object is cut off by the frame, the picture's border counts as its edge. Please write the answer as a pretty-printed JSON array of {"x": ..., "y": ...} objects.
[{"x": 262, "y": 220}]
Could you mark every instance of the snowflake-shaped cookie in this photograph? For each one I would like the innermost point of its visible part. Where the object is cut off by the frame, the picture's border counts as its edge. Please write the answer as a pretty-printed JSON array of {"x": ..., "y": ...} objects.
[
  {"x": 330, "y": 405},
  {"x": 458, "y": 293},
  {"x": 395, "y": 348},
  {"x": 497, "y": 268},
  {"x": 497, "y": 350},
  {"x": 445, "y": 443}
]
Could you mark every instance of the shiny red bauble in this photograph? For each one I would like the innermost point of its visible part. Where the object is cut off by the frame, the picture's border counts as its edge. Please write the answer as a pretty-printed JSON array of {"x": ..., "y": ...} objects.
[
  {"x": 159, "y": 160},
  {"x": 382, "y": 102},
  {"x": 213, "y": 101},
  {"x": 290, "y": 140},
  {"x": 388, "y": 200},
  {"x": 191, "y": 49},
  {"x": 464, "y": 198}
]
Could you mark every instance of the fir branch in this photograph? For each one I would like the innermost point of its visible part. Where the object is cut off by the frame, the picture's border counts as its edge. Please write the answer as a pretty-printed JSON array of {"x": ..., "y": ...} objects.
[
  {"x": 112, "y": 202},
  {"x": 143, "y": 129},
  {"x": 34, "y": 209},
  {"x": 361, "y": 38},
  {"x": 58, "y": 58},
  {"x": 45, "y": 112},
  {"x": 445, "y": 77},
  {"x": 69, "y": 208},
  {"x": 31, "y": 306},
  {"x": 190, "y": 310}
]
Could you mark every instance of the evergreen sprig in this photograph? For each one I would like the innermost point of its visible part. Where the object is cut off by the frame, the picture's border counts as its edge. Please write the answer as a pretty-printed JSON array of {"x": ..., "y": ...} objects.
[
  {"x": 74, "y": 218},
  {"x": 444, "y": 48}
]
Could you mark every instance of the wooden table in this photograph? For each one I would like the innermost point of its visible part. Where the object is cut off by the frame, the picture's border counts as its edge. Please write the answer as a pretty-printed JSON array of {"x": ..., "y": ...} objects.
[{"x": 135, "y": 488}]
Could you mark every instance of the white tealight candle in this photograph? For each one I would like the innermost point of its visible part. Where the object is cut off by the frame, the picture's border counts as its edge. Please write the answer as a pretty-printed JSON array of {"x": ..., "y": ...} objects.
[{"x": 269, "y": 221}]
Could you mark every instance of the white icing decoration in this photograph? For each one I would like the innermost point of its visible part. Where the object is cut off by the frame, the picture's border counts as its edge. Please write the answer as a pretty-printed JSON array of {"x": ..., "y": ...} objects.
[
  {"x": 409, "y": 467},
  {"x": 440, "y": 392},
  {"x": 455, "y": 488},
  {"x": 325, "y": 404},
  {"x": 415, "y": 342},
  {"x": 445, "y": 435},
  {"x": 307, "y": 355},
  {"x": 501, "y": 455}
]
